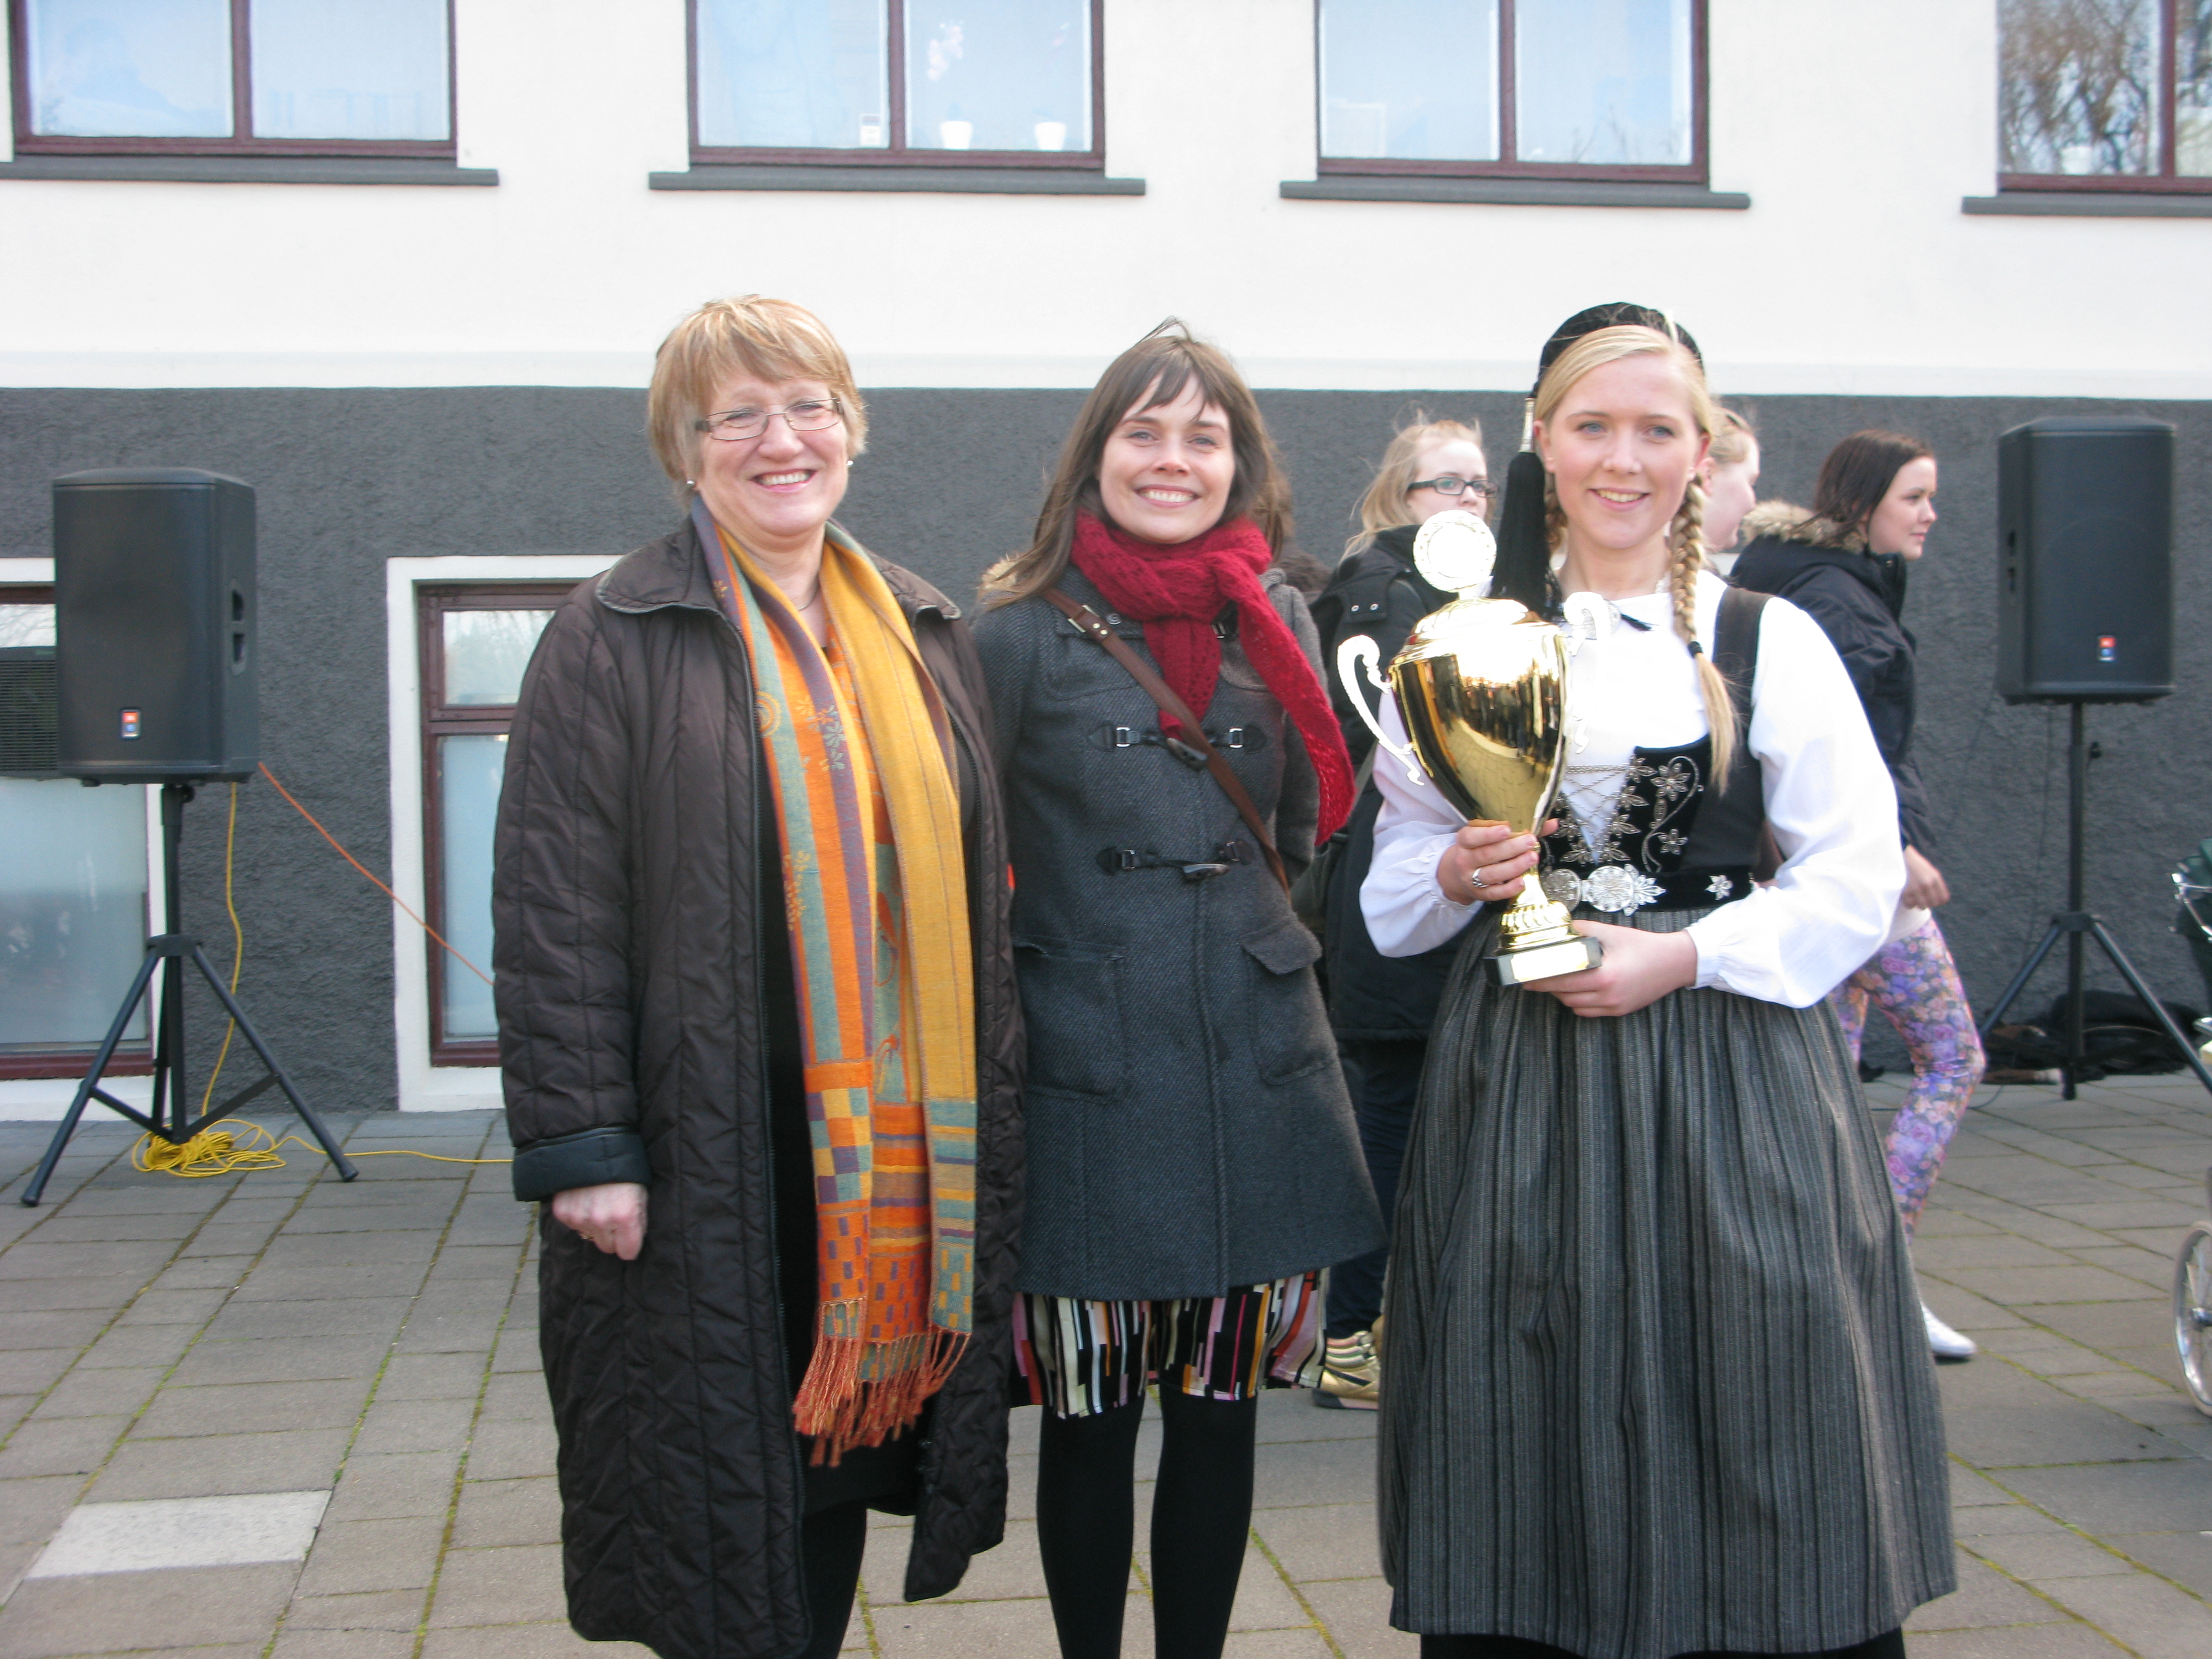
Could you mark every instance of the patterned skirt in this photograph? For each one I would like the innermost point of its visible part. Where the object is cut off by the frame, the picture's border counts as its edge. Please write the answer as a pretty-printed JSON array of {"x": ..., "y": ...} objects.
[
  {"x": 1083, "y": 1358},
  {"x": 1659, "y": 1381}
]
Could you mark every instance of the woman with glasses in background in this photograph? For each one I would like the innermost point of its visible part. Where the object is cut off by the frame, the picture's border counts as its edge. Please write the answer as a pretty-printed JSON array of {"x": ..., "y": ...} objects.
[
  {"x": 751, "y": 919},
  {"x": 1380, "y": 1007}
]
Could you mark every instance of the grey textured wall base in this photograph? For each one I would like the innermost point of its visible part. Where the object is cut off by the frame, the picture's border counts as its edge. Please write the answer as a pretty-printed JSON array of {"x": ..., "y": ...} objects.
[{"x": 952, "y": 478}]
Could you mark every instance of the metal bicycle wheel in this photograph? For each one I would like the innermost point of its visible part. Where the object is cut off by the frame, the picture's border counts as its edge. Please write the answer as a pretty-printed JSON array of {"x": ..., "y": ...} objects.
[{"x": 2193, "y": 1313}]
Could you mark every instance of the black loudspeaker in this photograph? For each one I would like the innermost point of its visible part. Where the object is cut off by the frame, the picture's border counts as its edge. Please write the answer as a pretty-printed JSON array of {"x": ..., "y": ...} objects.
[
  {"x": 27, "y": 711},
  {"x": 2085, "y": 579},
  {"x": 154, "y": 617}
]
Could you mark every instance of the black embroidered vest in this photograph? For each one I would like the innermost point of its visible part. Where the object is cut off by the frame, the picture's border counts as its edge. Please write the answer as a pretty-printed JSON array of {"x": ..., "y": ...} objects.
[{"x": 1674, "y": 843}]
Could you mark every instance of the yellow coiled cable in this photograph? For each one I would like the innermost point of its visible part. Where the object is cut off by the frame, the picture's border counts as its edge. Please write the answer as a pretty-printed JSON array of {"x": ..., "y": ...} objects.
[{"x": 216, "y": 1151}]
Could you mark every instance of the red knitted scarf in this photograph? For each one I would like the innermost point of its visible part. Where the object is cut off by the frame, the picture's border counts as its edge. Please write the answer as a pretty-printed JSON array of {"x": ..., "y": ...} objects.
[{"x": 1177, "y": 591}]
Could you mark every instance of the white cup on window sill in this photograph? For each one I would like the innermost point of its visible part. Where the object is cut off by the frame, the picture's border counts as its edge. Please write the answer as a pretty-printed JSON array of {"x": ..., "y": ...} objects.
[
  {"x": 1052, "y": 135},
  {"x": 956, "y": 135},
  {"x": 871, "y": 132}
]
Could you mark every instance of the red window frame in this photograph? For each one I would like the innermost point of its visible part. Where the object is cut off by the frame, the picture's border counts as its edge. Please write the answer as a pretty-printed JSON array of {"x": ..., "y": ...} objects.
[
  {"x": 895, "y": 152},
  {"x": 1507, "y": 166},
  {"x": 131, "y": 1059},
  {"x": 2164, "y": 181},
  {"x": 439, "y": 719},
  {"x": 241, "y": 140}
]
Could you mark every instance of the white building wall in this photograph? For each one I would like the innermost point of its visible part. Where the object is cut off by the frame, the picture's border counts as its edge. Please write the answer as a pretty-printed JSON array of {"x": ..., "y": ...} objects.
[{"x": 1855, "y": 131}]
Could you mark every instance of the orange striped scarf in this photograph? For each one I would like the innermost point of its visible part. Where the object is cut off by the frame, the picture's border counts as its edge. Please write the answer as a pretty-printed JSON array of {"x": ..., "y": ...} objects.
[{"x": 875, "y": 888}]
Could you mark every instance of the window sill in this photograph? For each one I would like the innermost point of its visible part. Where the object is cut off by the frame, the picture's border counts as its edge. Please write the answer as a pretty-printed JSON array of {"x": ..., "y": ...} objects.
[
  {"x": 465, "y": 1056},
  {"x": 957, "y": 181},
  {"x": 1507, "y": 192},
  {"x": 250, "y": 169},
  {"x": 2090, "y": 204},
  {"x": 72, "y": 1065}
]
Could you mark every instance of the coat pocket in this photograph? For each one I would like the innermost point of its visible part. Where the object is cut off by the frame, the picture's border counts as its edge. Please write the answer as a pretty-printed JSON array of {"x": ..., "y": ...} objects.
[
  {"x": 1072, "y": 1002},
  {"x": 1290, "y": 1027}
]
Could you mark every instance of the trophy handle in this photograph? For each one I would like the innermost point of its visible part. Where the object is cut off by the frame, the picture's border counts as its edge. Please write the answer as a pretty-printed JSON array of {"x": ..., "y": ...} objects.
[{"x": 1359, "y": 653}]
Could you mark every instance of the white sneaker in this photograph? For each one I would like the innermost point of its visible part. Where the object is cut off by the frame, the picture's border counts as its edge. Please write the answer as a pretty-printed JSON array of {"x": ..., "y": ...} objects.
[{"x": 1944, "y": 1342}]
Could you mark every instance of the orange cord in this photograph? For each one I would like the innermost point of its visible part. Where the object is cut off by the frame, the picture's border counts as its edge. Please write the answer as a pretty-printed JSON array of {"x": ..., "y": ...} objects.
[
  {"x": 363, "y": 868},
  {"x": 237, "y": 941}
]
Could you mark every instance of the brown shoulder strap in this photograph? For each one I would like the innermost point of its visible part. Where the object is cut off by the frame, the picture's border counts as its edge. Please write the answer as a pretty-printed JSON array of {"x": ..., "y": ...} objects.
[
  {"x": 1194, "y": 737},
  {"x": 1735, "y": 654},
  {"x": 1735, "y": 645}
]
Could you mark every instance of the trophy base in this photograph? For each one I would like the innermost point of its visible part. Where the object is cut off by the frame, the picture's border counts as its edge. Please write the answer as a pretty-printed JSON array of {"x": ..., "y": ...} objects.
[{"x": 1519, "y": 967}]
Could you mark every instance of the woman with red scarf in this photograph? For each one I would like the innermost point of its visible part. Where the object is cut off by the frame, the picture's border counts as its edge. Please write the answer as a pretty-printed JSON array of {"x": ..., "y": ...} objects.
[{"x": 1192, "y": 1161}]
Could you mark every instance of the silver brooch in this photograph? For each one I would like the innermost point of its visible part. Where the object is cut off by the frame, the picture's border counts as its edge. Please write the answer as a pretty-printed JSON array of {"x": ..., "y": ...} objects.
[
  {"x": 1721, "y": 887},
  {"x": 1611, "y": 887},
  {"x": 1617, "y": 888},
  {"x": 1562, "y": 887}
]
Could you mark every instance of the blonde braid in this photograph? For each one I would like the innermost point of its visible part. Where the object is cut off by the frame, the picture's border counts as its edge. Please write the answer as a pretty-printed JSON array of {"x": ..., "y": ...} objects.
[
  {"x": 1686, "y": 550},
  {"x": 1555, "y": 516}
]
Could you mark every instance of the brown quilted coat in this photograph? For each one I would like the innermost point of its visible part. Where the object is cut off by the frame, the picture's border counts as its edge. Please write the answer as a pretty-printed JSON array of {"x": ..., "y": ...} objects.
[{"x": 630, "y": 1016}]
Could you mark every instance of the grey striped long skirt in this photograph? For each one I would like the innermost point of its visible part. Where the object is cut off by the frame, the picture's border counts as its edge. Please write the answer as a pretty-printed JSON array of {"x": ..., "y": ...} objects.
[{"x": 1658, "y": 1383}]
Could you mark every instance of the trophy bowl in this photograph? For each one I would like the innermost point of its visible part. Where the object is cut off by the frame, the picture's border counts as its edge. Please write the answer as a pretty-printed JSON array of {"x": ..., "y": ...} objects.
[{"x": 1482, "y": 685}]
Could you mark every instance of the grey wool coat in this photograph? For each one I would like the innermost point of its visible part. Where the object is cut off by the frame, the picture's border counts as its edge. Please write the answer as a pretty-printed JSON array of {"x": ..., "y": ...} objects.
[{"x": 1186, "y": 1121}]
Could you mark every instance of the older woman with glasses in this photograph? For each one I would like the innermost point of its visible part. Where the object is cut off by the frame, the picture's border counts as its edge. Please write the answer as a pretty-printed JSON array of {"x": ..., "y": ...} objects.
[{"x": 760, "y": 1033}]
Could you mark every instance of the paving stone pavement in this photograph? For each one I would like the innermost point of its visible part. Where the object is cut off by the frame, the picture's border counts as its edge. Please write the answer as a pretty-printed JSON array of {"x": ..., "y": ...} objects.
[{"x": 270, "y": 1338}]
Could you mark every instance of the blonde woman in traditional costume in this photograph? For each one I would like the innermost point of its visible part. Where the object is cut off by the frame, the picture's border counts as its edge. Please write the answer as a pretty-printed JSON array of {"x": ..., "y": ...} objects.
[{"x": 1659, "y": 1385}]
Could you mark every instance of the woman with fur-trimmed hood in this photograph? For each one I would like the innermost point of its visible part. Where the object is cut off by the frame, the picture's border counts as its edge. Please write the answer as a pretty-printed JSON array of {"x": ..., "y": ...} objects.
[{"x": 1845, "y": 564}]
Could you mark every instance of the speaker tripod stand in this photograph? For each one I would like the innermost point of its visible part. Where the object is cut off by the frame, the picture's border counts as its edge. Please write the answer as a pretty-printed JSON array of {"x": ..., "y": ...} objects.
[
  {"x": 167, "y": 1117},
  {"x": 2077, "y": 927}
]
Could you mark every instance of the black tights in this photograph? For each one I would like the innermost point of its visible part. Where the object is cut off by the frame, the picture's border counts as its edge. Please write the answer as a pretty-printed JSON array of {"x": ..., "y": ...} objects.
[
  {"x": 831, "y": 1542},
  {"x": 1889, "y": 1645},
  {"x": 1202, "y": 1515}
]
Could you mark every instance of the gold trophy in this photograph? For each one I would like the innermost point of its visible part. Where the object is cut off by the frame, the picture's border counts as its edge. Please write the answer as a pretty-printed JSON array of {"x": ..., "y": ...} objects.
[{"x": 1482, "y": 685}]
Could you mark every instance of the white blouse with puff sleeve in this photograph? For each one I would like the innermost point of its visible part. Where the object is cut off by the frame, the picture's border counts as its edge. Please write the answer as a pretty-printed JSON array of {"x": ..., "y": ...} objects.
[{"x": 1828, "y": 800}]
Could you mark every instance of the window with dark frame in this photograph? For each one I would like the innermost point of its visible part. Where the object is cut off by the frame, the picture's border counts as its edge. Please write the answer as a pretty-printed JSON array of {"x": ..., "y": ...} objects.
[
  {"x": 2105, "y": 96},
  {"x": 474, "y": 641},
  {"x": 1593, "y": 90},
  {"x": 232, "y": 77},
  {"x": 946, "y": 83},
  {"x": 73, "y": 886}
]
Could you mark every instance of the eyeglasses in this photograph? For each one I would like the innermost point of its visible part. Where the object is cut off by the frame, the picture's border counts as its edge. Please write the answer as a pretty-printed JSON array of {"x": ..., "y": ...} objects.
[
  {"x": 734, "y": 426},
  {"x": 1448, "y": 485}
]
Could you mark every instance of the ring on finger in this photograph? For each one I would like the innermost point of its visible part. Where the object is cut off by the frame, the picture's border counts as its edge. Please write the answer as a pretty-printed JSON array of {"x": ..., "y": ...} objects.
[{"x": 1480, "y": 883}]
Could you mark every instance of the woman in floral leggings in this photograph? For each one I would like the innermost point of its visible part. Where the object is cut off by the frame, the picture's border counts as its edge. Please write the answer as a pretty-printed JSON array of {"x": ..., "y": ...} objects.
[
  {"x": 1912, "y": 981},
  {"x": 1845, "y": 563}
]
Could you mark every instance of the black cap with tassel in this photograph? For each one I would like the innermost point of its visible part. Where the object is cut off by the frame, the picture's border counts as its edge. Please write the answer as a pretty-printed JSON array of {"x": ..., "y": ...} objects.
[{"x": 1523, "y": 570}]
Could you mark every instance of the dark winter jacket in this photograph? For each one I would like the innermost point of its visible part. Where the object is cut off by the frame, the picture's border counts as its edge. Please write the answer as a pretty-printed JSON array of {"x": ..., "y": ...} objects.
[
  {"x": 628, "y": 912},
  {"x": 1376, "y": 591},
  {"x": 1857, "y": 598},
  {"x": 1371, "y": 997},
  {"x": 1187, "y": 1126}
]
